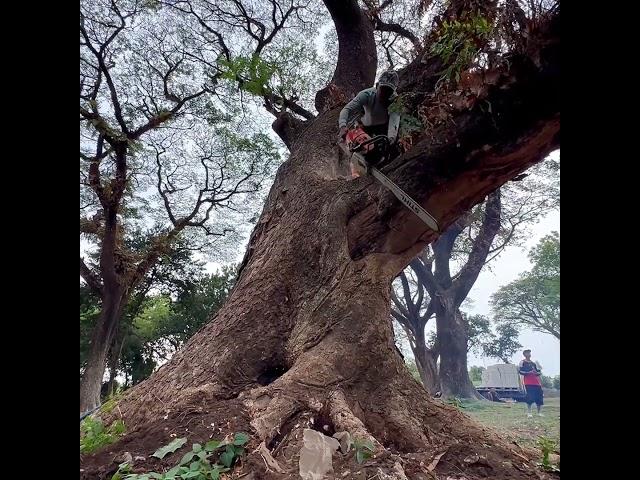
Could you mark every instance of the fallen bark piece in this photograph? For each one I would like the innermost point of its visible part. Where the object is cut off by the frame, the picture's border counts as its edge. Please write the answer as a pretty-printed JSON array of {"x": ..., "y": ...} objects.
[{"x": 315, "y": 455}]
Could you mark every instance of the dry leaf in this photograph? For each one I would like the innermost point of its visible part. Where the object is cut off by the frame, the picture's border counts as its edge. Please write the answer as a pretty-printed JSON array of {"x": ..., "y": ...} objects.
[{"x": 435, "y": 461}]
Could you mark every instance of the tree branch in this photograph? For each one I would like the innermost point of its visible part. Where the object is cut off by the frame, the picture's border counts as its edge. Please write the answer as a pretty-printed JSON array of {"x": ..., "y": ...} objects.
[
  {"x": 99, "y": 54},
  {"x": 398, "y": 304},
  {"x": 357, "y": 60},
  {"x": 481, "y": 246},
  {"x": 288, "y": 128},
  {"x": 407, "y": 296},
  {"x": 90, "y": 278},
  {"x": 477, "y": 151},
  {"x": 381, "y": 26},
  {"x": 425, "y": 277}
]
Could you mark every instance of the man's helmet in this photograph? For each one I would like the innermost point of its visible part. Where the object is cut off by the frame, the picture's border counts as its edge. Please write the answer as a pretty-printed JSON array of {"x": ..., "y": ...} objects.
[{"x": 389, "y": 79}]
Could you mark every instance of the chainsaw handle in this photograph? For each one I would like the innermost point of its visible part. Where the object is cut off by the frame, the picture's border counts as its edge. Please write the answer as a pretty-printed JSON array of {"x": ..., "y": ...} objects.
[{"x": 374, "y": 140}]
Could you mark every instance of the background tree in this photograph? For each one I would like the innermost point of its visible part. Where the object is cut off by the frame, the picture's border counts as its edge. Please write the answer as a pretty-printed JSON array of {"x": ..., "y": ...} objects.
[
  {"x": 478, "y": 331},
  {"x": 159, "y": 159},
  {"x": 411, "y": 310},
  {"x": 475, "y": 373},
  {"x": 194, "y": 306},
  {"x": 504, "y": 345},
  {"x": 306, "y": 326},
  {"x": 533, "y": 300},
  {"x": 546, "y": 381},
  {"x": 153, "y": 329},
  {"x": 471, "y": 244}
]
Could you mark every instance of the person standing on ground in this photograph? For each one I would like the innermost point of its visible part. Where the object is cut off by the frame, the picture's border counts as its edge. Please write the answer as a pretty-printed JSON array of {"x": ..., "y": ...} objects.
[{"x": 531, "y": 372}]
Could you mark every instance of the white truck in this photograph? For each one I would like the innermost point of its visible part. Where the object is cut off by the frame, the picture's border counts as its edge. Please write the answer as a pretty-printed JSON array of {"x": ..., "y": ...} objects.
[{"x": 506, "y": 381}]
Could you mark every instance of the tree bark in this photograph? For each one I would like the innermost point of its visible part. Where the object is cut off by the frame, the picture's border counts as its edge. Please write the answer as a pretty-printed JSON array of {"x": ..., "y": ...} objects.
[
  {"x": 407, "y": 313},
  {"x": 101, "y": 340},
  {"x": 452, "y": 338},
  {"x": 114, "y": 361},
  {"x": 306, "y": 327},
  {"x": 357, "y": 60},
  {"x": 426, "y": 361}
]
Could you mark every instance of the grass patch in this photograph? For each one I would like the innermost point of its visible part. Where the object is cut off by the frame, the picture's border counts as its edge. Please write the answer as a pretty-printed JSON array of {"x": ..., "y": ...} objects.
[
  {"x": 511, "y": 419},
  {"x": 94, "y": 435}
]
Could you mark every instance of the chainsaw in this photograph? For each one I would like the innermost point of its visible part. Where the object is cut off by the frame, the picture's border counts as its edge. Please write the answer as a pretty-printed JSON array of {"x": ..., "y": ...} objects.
[{"x": 371, "y": 152}]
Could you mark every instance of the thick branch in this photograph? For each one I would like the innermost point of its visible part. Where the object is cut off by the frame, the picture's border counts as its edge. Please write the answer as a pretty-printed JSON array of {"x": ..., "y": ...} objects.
[
  {"x": 90, "y": 277},
  {"x": 481, "y": 246},
  {"x": 399, "y": 29},
  {"x": 402, "y": 308},
  {"x": 357, "y": 62},
  {"x": 407, "y": 296},
  {"x": 442, "y": 248},
  {"x": 288, "y": 128},
  {"x": 476, "y": 151},
  {"x": 426, "y": 278}
]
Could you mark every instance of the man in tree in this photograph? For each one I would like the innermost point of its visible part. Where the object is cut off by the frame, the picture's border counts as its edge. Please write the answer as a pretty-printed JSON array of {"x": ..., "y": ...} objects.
[
  {"x": 367, "y": 114},
  {"x": 531, "y": 372}
]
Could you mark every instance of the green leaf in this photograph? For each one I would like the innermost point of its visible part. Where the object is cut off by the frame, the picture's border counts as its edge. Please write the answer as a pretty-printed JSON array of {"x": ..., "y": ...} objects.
[
  {"x": 123, "y": 468},
  {"x": 191, "y": 474},
  {"x": 196, "y": 447},
  {"x": 362, "y": 455},
  {"x": 170, "y": 448},
  {"x": 238, "y": 451},
  {"x": 119, "y": 474},
  {"x": 194, "y": 466},
  {"x": 227, "y": 458},
  {"x": 368, "y": 444},
  {"x": 202, "y": 455},
  {"x": 187, "y": 458},
  {"x": 171, "y": 474},
  {"x": 240, "y": 438},
  {"x": 212, "y": 445},
  {"x": 215, "y": 472}
]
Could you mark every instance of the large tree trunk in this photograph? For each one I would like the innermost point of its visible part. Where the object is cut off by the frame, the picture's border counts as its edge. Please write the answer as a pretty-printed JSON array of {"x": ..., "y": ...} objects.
[
  {"x": 447, "y": 294},
  {"x": 307, "y": 326},
  {"x": 101, "y": 340},
  {"x": 452, "y": 338}
]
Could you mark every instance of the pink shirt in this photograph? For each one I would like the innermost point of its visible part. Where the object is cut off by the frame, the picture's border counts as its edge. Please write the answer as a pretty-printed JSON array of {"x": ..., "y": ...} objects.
[{"x": 530, "y": 378}]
